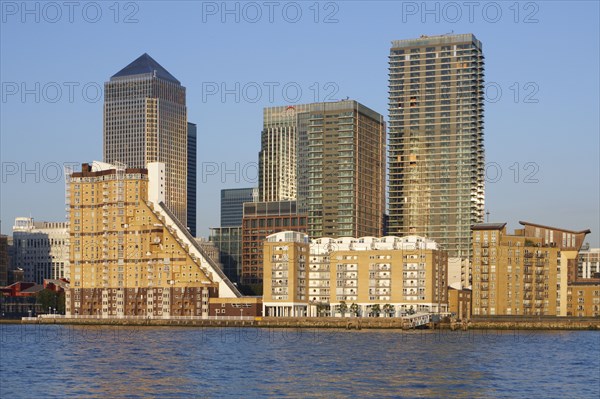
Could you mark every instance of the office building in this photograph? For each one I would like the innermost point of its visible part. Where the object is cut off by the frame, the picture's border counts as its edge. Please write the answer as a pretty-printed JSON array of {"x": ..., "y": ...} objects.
[
  {"x": 130, "y": 255},
  {"x": 228, "y": 240},
  {"x": 330, "y": 157},
  {"x": 232, "y": 204},
  {"x": 145, "y": 121},
  {"x": 436, "y": 152},
  {"x": 191, "y": 177},
  {"x": 277, "y": 165},
  {"x": 260, "y": 220},
  {"x": 40, "y": 249},
  {"x": 366, "y": 276},
  {"x": 526, "y": 273}
]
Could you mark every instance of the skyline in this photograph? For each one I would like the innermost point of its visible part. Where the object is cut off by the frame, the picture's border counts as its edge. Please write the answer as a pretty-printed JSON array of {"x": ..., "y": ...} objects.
[{"x": 71, "y": 132}]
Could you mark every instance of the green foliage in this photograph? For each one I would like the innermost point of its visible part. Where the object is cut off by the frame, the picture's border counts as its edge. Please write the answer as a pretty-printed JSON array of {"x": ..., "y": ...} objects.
[
  {"x": 50, "y": 299},
  {"x": 251, "y": 289},
  {"x": 343, "y": 307},
  {"x": 322, "y": 309},
  {"x": 376, "y": 310},
  {"x": 389, "y": 310},
  {"x": 354, "y": 309}
]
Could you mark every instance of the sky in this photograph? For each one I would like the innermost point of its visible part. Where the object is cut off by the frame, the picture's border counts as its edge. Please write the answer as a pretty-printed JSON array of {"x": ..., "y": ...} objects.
[{"x": 235, "y": 58}]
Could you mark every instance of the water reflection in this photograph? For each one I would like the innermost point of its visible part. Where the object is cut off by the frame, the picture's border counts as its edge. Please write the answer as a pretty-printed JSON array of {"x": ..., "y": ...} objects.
[{"x": 182, "y": 362}]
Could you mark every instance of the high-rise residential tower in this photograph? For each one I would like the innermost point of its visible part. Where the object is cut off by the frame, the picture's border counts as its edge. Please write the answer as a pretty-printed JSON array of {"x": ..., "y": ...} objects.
[
  {"x": 277, "y": 157},
  {"x": 145, "y": 120},
  {"x": 191, "y": 177},
  {"x": 330, "y": 157},
  {"x": 436, "y": 153}
]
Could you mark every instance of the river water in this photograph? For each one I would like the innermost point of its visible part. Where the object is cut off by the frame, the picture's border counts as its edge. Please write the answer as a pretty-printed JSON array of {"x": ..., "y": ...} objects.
[{"x": 76, "y": 361}]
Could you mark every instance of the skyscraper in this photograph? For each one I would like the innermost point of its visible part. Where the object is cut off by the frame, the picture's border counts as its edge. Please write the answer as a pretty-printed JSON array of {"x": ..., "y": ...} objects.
[
  {"x": 145, "y": 120},
  {"x": 277, "y": 156},
  {"x": 330, "y": 157},
  {"x": 191, "y": 177},
  {"x": 341, "y": 169},
  {"x": 436, "y": 153},
  {"x": 232, "y": 205}
]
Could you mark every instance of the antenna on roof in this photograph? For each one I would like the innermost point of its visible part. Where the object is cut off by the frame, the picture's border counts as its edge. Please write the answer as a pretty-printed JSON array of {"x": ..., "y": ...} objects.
[{"x": 487, "y": 213}]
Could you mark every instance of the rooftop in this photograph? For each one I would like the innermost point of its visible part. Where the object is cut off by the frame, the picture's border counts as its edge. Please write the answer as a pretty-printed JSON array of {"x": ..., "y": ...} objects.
[
  {"x": 488, "y": 226},
  {"x": 587, "y": 231},
  {"x": 145, "y": 65},
  {"x": 437, "y": 40}
]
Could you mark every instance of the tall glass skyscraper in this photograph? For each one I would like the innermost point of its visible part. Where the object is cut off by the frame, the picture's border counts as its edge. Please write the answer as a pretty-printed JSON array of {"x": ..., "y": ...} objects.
[
  {"x": 330, "y": 157},
  {"x": 191, "y": 176},
  {"x": 436, "y": 152},
  {"x": 145, "y": 120},
  {"x": 232, "y": 204}
]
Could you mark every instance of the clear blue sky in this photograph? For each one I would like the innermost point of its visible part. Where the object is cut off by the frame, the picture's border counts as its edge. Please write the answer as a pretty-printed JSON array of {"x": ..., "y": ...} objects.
[{"x": 549, "y": 127}]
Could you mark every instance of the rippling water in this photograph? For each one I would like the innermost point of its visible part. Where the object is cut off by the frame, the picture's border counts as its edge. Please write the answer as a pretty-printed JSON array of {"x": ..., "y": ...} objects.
[{"x": 76, "y": 361}]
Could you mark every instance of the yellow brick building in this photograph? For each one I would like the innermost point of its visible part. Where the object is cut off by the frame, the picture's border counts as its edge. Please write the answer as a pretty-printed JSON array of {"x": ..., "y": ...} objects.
[
  {"x": 365, "y": 276},
  {"x": 526, "y": 273},
  {"x": 583, "y": 298},
  {"x": 129, "y": 255}
]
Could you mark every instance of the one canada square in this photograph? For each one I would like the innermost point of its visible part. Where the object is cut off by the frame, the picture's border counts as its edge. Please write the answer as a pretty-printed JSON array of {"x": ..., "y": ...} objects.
[
  {"x": 145, "y": 120},
  {"x": 436, "y": 152}
]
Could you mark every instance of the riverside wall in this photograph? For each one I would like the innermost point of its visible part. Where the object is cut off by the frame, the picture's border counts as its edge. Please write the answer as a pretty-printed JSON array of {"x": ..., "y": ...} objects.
[{"x": 496, "y": 323}]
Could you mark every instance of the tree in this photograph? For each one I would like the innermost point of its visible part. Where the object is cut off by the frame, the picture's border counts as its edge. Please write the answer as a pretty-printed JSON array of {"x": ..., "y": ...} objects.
[
  {"x": 321, "y": 308},
  {"x": 50, "y": 299},
  {"x": 343, "y": 308},
  {"x": 354, "y": 309},
  {"x": 389, "y": 310},
  {"x": 376, "y": 310},
  {"x": 411, "y": 310}
]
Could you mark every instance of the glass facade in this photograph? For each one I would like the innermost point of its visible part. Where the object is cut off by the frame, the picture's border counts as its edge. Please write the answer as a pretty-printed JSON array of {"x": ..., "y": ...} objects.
[
  {"x": 232, "y": 205},
  {"x": 229, "y": 242},
  {"x": 191, "y": 177},
  {"x": 330, "y": 157},
  {"x": 436, "y": 152}
]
